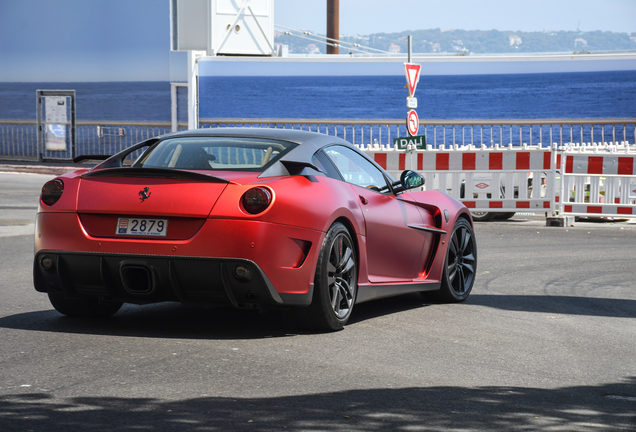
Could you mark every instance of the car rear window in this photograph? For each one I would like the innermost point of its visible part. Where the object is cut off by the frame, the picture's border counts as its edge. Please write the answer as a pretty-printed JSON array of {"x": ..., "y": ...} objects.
[{"x": 214, "y": 153}]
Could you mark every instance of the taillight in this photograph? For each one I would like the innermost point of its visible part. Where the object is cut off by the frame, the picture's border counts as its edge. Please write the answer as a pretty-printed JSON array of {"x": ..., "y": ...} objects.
[
  {"x": 256, "y": 200},
  {"x": 52, "y": 191}
]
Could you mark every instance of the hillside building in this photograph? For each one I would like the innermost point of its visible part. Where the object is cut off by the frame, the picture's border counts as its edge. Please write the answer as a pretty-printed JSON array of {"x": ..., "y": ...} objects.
[{"x": 514, "y": 40}]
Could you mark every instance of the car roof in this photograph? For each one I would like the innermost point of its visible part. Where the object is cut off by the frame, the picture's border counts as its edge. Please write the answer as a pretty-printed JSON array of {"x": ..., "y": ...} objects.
[{"x": 294, "y": 135}]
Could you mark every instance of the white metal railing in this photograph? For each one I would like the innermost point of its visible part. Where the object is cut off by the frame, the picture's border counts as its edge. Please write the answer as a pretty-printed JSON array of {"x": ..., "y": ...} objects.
[
  {"x": 444, "y": 133},
  {"x": 18, "y": 138}
]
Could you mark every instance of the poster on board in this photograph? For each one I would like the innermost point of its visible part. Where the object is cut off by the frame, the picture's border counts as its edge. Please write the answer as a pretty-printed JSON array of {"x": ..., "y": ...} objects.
[
  {"x": 55, "y": 109},
  {"x": 55, "y": 139}
]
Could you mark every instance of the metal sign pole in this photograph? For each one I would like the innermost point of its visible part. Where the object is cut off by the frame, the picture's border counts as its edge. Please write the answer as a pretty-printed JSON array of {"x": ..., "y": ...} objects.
[
  {"x": 40, "y": 131},
  {"x": 412, "y": 72}
]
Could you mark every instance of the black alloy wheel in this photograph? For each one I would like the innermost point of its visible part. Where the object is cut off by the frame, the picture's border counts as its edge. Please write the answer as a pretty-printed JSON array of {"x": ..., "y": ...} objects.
[
  {"x": 335, "y": 283},
  {"x": 341, "y": 271},
  {"x": 460, "y": 265}
]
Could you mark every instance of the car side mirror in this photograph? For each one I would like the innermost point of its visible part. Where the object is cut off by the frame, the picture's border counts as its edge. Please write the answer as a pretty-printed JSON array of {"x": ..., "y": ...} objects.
[{"x": 410, "y": 179}]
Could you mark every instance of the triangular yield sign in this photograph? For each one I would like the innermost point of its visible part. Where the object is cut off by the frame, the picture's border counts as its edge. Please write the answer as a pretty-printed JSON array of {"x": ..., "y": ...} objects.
[{"x": 412, "y": 76}]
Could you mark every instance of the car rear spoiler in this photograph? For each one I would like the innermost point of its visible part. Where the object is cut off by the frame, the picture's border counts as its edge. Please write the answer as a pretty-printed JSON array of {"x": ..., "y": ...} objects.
[{"x": 154, "y": 173}]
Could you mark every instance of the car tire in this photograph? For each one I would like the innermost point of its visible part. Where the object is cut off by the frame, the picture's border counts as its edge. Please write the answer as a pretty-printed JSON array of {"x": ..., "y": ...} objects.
[
  {"x": 483, "y": 216},
  {"x": 335, "y": 283},
  {"x": 83, "y": 307},
  {"x": 504, "y": 216},
  {"x": 460, "y": 265}
]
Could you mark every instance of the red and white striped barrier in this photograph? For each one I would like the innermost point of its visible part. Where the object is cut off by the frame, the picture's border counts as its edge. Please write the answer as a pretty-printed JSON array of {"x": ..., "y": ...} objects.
[
  {"x": 492, "y": 179},
  {"x": 598, "y": 184},
  {"x": 464, "y": 160},
  {"x": 485, "y": 160},
  {"x": 603, "y": 165},
  {"x": 599, "y": 210},
  {"x": 479, "y": 177}
]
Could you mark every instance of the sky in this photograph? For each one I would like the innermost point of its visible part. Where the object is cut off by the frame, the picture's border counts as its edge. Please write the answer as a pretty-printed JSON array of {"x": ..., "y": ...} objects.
[
  {"x": 374, "y": 16},
  {"x": 129, "y": 40}
]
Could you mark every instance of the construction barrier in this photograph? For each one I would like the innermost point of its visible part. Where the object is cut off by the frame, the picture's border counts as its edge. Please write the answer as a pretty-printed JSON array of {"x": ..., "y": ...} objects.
[
  {"x": 598, "y": 182},
  {"x": 484, "y": 179}
]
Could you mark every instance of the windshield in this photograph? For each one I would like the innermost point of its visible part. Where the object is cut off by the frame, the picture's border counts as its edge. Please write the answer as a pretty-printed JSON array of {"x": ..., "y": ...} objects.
[{"x": 215, "y": 153}]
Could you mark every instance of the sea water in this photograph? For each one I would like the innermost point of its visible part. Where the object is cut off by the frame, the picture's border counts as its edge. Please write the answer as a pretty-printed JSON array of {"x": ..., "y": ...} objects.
[{"x": 513, "y": 96}]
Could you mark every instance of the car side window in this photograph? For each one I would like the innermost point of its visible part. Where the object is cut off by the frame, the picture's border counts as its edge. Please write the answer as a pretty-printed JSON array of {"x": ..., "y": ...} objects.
[
  {"x": 356, "y": 169},
  {"x": 324, "y": 163}
]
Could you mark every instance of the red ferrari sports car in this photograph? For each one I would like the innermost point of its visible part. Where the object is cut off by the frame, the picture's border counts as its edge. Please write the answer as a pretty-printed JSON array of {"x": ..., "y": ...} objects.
[{"x": 253, "y": 218}]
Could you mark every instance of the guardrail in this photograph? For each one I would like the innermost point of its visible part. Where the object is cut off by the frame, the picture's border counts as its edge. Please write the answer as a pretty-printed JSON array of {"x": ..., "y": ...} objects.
[
  {"x": 18, "y": 138},
  {"x": 444, "y": 133}
]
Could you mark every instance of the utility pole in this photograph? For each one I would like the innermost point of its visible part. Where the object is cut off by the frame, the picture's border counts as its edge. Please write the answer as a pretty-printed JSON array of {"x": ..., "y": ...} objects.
[{"x": 333, "y": 25}]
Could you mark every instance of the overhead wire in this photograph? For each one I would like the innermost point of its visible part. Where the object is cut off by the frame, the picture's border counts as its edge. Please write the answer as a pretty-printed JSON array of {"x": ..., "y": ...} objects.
[{"x": 302, "y": 34}]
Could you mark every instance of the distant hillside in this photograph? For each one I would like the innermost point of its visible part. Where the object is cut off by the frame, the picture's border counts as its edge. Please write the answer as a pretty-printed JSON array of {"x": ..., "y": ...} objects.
[{"x": 477, "y": 41}]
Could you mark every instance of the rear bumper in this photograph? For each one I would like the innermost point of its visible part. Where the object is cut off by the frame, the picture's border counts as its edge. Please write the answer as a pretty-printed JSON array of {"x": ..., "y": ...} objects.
[
  {"x": 145, "y": 279},
  {"x": 280, "y": 260}
]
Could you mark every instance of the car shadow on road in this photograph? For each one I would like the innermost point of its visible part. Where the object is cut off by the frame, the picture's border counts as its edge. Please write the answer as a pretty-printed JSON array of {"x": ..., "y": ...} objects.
[
  {"x": 495, "y": 408},
  {"x": 166, "y": 320},
  {"x": 555, "y": 304},
  {"x": 173, "y": 320},
  {"x": 386, "y": 306}
]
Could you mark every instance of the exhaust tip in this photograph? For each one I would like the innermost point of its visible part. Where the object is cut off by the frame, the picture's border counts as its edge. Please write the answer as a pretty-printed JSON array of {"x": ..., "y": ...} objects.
[{"x": 137, "y": 279}]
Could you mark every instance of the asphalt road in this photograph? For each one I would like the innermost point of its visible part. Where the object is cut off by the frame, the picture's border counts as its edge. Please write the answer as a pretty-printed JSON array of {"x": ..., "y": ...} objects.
[{"x": 547, "y": 341}]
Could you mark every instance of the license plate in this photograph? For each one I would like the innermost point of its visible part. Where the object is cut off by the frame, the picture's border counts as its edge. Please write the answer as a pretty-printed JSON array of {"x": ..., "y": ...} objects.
[{"x": 142, "y": 227}]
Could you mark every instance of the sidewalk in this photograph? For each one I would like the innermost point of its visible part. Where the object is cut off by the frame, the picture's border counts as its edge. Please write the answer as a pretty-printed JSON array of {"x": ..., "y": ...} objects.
[{"x": 34, "y": 167}]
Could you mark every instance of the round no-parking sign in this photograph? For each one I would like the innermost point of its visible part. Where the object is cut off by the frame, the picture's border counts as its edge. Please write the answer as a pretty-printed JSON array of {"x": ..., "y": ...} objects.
[{"x": 412, "y": 123}]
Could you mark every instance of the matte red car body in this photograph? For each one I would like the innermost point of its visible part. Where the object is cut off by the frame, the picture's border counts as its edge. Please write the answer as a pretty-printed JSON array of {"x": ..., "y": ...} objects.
[{"x": 206, "y": 219}]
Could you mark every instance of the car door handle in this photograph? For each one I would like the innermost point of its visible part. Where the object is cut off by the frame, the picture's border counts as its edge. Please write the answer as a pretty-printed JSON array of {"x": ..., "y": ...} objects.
[{"x": 363, "y": 200}]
